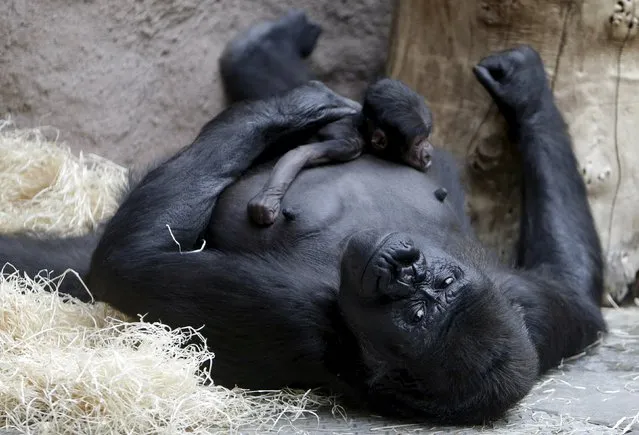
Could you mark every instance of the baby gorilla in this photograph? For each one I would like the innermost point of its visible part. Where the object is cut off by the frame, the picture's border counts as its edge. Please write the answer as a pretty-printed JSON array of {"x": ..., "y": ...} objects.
[{"x": 395, "y": 125}]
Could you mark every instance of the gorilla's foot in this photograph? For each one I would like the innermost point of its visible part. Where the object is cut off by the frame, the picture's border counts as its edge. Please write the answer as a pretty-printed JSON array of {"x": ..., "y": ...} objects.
[
  {"x": 269, "y": 58},
  {"x": 292, "y": 31}
]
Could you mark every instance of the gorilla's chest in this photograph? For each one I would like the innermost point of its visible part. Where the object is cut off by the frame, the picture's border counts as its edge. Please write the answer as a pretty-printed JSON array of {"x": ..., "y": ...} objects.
[{"x": 328, "y": 204}]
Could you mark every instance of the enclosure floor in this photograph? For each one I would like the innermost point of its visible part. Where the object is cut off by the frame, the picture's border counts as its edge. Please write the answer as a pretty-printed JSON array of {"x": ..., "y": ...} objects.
[
  {"x": 594, "y": 394},
  {"x": 597, "y": 393}
]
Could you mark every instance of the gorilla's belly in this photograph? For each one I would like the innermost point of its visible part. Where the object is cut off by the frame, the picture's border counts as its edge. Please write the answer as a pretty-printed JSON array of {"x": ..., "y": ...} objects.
[{"x": 330, "y": 203}]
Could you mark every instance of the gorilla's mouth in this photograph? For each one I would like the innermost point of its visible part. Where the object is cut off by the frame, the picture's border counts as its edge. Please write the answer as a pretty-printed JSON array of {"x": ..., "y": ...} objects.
[{"x": 376, "y": 252}]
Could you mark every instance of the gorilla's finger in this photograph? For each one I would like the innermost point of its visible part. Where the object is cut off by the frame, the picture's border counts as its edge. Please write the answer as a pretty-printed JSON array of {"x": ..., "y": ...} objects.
[
  {"x": 333, "y": 96},
  {"x": 499, "y": 66},
  {"x": 486, "y": 79},
  {"x": 335, "y": 114}
]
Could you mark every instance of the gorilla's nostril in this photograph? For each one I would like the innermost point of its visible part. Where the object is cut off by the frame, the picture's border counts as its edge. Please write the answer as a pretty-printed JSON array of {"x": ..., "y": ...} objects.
[{"x": 426, "y": 158}]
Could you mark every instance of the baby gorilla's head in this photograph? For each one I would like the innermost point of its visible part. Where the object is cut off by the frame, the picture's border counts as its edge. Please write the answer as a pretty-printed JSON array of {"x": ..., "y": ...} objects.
[
  {"x": 437, "y": 338},
  {"x": 397, "y": 124}
]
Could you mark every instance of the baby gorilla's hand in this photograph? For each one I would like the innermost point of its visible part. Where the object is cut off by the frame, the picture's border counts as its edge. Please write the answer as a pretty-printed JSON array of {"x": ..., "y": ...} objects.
[
  {"x": 264, "y": 208},
  {"x": 398, "y": 124}
]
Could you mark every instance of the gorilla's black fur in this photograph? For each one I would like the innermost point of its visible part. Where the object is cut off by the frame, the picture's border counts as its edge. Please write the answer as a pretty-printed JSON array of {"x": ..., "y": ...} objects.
[{"x": 376, "y": 288}]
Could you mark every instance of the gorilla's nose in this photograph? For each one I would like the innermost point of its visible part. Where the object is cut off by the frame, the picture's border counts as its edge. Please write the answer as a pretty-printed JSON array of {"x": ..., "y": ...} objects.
[{"x": 426, "y": 160}]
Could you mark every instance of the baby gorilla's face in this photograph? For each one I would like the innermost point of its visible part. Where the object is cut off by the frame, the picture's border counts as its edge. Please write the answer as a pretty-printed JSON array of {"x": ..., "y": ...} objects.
[
  {"x": 398, "y": 124},
  {"x": 437, "y": 337}
]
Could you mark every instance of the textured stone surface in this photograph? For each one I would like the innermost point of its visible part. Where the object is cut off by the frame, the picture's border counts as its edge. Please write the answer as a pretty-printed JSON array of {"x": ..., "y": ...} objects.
[{"x": 134, "y": 80}]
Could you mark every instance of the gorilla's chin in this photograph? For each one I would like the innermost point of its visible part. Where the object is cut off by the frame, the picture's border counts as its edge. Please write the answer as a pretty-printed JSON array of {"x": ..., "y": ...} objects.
[{"x": 470, "y": 367}]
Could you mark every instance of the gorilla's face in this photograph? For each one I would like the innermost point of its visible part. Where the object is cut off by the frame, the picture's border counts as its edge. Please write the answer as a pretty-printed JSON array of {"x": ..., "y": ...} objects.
[{"x": 436, "y": 336}]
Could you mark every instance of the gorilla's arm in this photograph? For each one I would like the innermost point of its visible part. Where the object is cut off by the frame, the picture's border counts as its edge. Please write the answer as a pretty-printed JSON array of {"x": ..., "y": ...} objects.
[
  {"x": 560, "y": 287},
  {"x": 137, "y": 265}
]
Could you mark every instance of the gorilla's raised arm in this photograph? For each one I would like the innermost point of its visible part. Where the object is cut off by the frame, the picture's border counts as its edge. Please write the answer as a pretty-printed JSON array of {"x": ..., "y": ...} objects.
[{"x": 559, "y": 249}]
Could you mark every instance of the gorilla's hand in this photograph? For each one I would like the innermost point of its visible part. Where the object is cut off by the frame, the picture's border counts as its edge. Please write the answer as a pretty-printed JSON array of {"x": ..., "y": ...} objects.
[
  {"x": 398, "y": 123},
  {"x": 311, "y": 106},
  {"x": 516, "y": 80}
]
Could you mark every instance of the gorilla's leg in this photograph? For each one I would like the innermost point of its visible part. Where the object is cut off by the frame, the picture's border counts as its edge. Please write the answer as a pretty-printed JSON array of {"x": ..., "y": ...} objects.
[
  {"x": 342, "y": 142},
  {"x": 561, "y": 285},
  {"x": 30, "y": 255},
  {"x": 268, "y": 58}
]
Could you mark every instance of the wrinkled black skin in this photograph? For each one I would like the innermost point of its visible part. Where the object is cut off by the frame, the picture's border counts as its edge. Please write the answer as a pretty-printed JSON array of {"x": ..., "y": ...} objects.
[{"x": 354, "y": 294}]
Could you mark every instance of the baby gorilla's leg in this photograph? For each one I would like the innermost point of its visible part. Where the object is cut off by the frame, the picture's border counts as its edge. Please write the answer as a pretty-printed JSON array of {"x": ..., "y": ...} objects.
[{"x": 341, "y": 143}]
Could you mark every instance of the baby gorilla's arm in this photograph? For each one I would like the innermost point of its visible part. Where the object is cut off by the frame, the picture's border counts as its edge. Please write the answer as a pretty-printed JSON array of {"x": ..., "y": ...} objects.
[{"x": 341, "y": 142}]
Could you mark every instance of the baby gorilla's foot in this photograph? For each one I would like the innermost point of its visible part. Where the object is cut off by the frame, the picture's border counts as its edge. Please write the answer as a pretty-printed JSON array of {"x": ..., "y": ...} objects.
[
  {"x": 264, "y": 208},
  {"x": 398, "y": 124}
]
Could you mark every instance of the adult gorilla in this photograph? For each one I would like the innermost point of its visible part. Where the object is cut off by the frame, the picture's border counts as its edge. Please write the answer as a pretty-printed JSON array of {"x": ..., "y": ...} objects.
[{"x": 376, "y": 287}]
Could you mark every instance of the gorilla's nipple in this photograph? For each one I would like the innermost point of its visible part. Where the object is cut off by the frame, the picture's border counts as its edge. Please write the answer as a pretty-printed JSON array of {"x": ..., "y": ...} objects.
[
  {"x": 441, "y": 194},
  {"x": 289, "y": 214}
]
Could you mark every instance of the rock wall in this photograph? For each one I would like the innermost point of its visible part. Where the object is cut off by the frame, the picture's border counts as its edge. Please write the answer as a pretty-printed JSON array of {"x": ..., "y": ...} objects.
[
  {"x": 133, "y": 80},
  {"x": 592, "y": 56}
]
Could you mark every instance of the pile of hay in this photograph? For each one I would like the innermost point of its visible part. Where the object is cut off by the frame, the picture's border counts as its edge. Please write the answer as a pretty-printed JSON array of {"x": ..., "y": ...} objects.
[{"x": 69, "y": 367}]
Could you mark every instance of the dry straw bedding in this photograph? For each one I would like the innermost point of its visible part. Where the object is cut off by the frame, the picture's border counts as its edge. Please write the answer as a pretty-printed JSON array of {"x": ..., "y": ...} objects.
[
  {"x": 67, "y": 367},
  {"x": 71, "y": 367}
]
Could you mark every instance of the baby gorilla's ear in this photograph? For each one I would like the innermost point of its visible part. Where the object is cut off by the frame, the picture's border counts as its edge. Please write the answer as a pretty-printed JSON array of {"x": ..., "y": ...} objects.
[{"x": 378, "y": 140}]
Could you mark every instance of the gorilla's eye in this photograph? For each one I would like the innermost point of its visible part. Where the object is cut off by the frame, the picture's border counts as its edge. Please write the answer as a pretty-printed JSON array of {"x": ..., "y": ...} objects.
[
  {"x": 419, "y": 314},
  {"x": 448, "y": 281}
]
